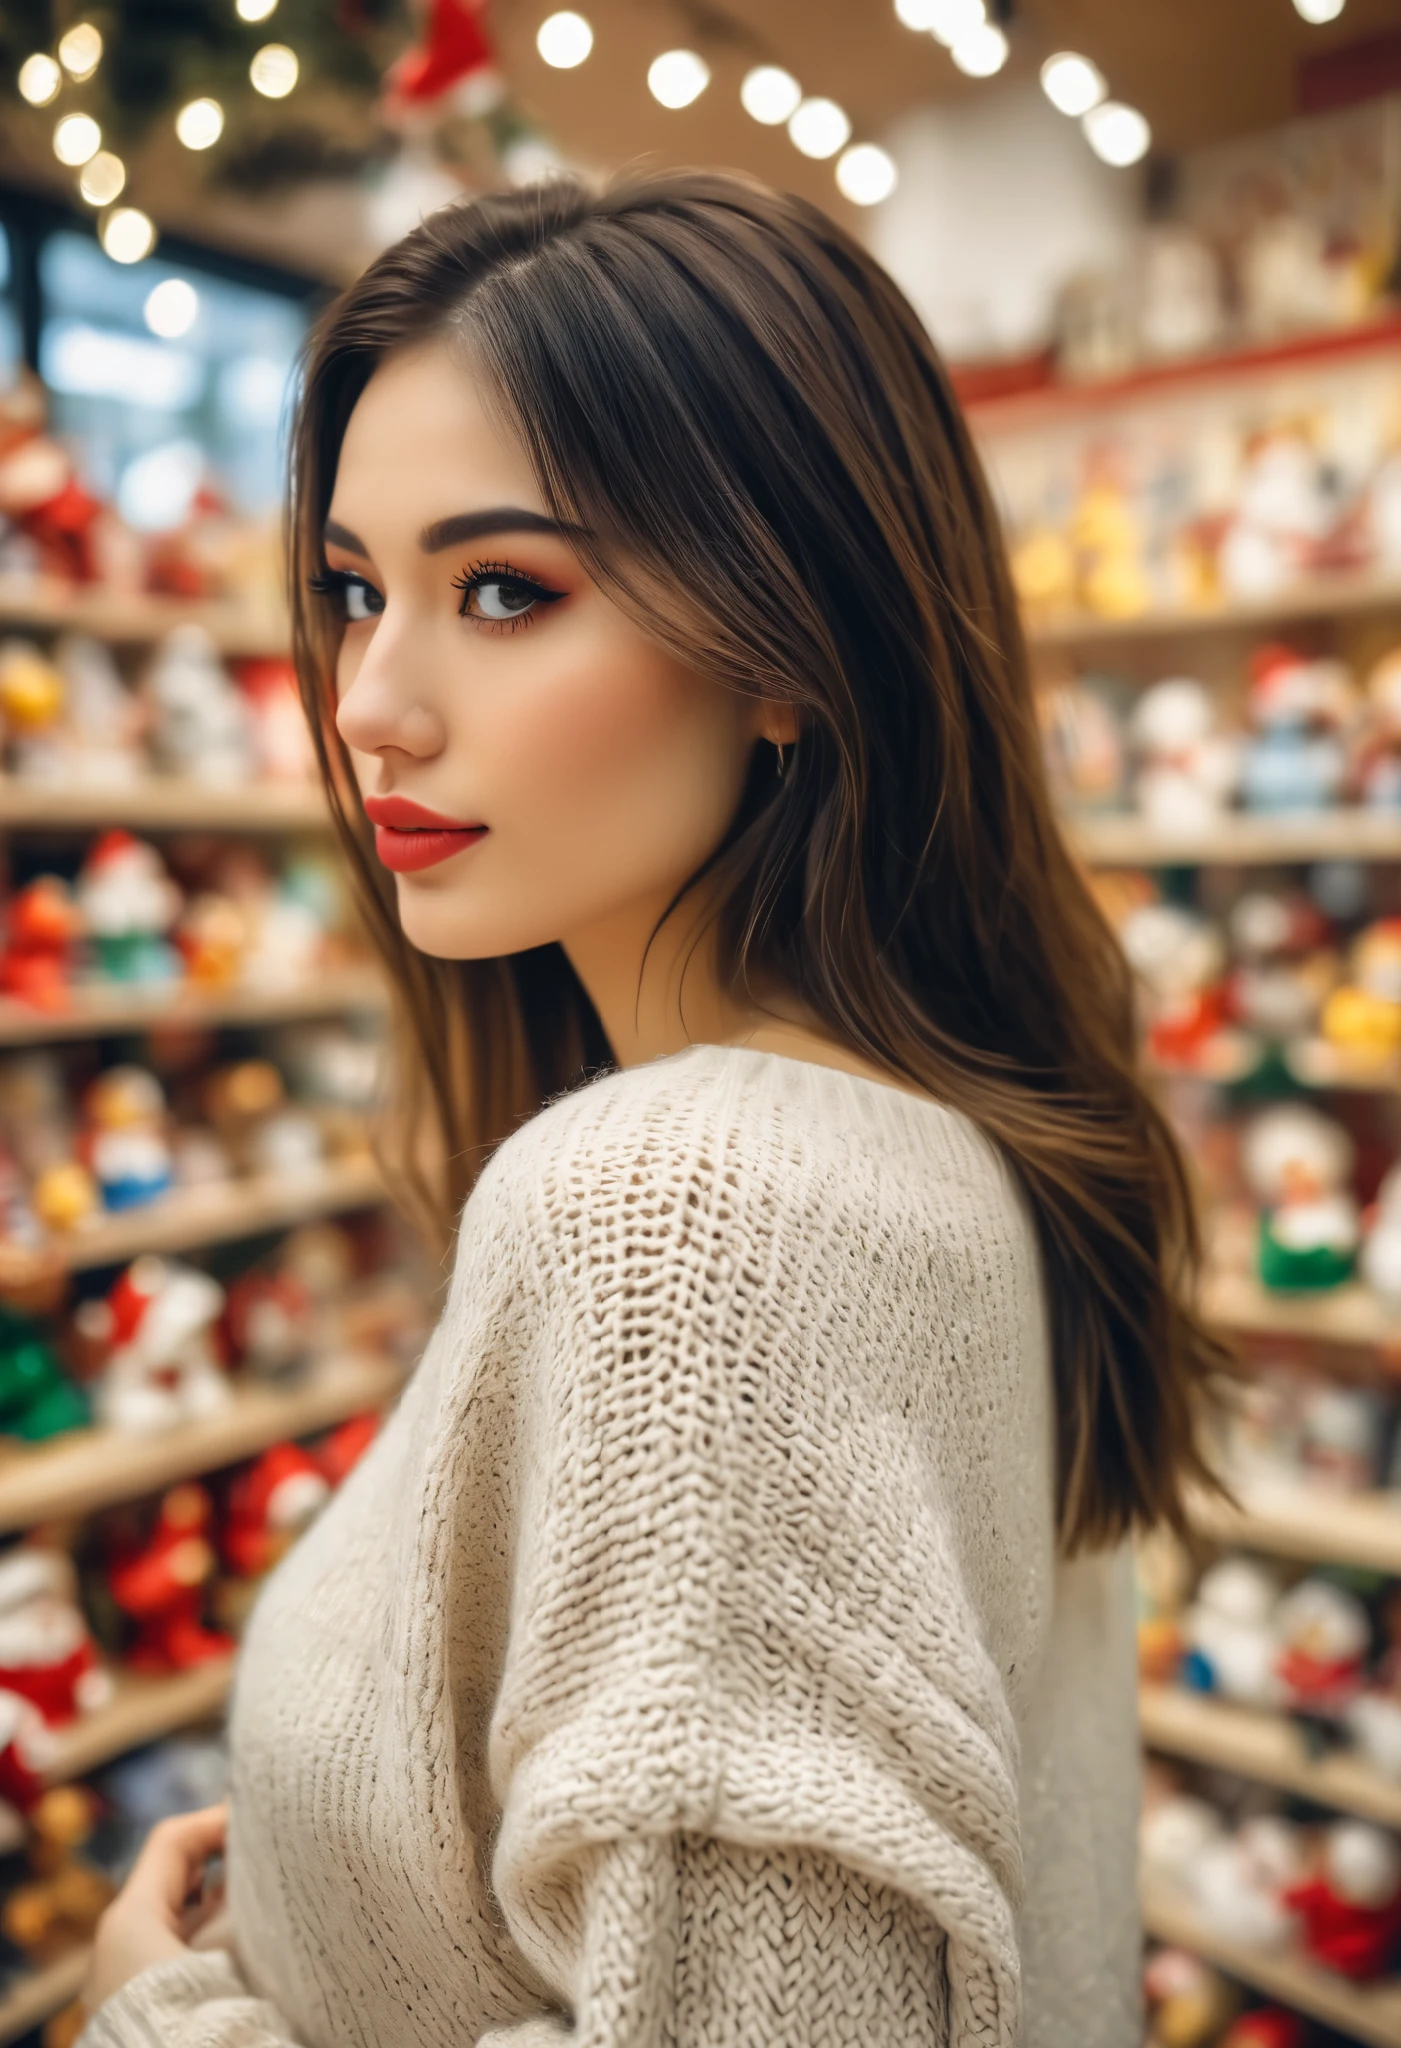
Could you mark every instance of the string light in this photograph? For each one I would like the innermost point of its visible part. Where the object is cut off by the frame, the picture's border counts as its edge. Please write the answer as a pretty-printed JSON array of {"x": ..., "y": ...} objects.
[
  {"x": 770, "y": 95},
  {"x": 128, "y": 234},
  {"x": 254, "y": 10},
  {"x": 80, "y": 50},
  {"x": 76, "y": 138},
  {"x": 39, "y": 79},
  {"x": 866, "y": 174},
  {"x": 564, "y": 40},
  {"x": 171, "y": 308},
  {"x": 103, "y": 177},
  {"x": 677, "y": 77},
  {"x": 1117, "y": 134},
  {"x": 953, "y": 21},
  {"x": 1318, "y": 11},
  {"x": 200, "y": 123},
  {"x": 981, "y": 52},
  {"x": 819, "y": 128},
  {"x": 274, "y": 71},
  {"x": 1072, "y": 83}
]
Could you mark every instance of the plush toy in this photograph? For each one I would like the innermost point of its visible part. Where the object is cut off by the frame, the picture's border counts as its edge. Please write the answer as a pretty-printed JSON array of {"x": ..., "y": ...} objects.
[
  {"x": 155, "y": 1330},
  {"x": 1109, "y": 548},
  {"x": 1285, "y": 962},
  {"x": 199, "y": 721},
  {"x": 128, "y": 903},
  {"x": 1243, "y": 1883},
  {"x": 161, "y": 1585},
  {"x": 1297, "y": 1163},
  {"x": 126, "y": 1143},
  {"x": 1351, "y": 1906},
  {"x": 46, "y": 1653},
  {"x": 39, "y": 493},
  {"x": 1296, "y": 759},
  {"x": 31, "y": 711},
  {"x": 213, "y": 938},
  {"x": 270, "y": 1323},
  {"x": 1264, "y": 1429},
  {"x": 65, "y": 1196},
  {"x": 42, "y": 926},
  {"x": 1174, "y": 1833},
  {"x": 1179, "y": 959},
  {"x": 26, "y": 1753},
  {"x": 37, "y": 1399},
  {"x": 1363, "y": 1016},
  {"x": 1323, "y": 1634},
  {"x": 104, "y": 720},
  {"x": 1188, "y": 768},
  {"x": 1231, "y": 1633},
  {"x": 247, "y": 1105},
  {"x": 1341, "y": 1437},
  {"x": 1282, "y": 514},
  {"x": 1267, "y": 2026},
  {"x": 270, "y": 1503}
]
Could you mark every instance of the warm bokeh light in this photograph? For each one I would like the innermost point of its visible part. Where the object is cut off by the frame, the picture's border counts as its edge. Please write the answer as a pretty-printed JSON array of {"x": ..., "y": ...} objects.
[
  {"x": 171, "y": 308},
  {"x": 254, "y": 10},
  {"x": 1072, "y": 83},
  {"x": 76, "y": 138},
  {"x": 770, "y": 94},
  {"x": 1117, "y": 134},
  {"x": 103, "y": 177},
  {"x": 917, "y": 14},
  {"x": 128, "y": 234},
  {"x": 677, "y": 77},
  {"x": 1317, "y": 11},
  {"x": 982, "y": 52},
  {"x": 39, "y": 79},
  {"x": 819, "y": 128},
  {"x": 80, "y": 50},
  {"x": 953, "y": 20},
  {"x": 200, "y": 123},
  {"x": 866, "y": 174},
  {"x": 274, "y": 71},
  {"x": 564, "y": 40}
]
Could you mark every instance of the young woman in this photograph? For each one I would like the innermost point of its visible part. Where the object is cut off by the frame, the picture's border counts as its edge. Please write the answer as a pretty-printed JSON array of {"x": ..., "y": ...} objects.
[{"x": 728, "y": 1641}]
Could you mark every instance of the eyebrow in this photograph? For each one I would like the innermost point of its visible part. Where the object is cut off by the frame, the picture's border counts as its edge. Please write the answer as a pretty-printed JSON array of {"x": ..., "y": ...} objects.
[{"x": 462, "y": 526}]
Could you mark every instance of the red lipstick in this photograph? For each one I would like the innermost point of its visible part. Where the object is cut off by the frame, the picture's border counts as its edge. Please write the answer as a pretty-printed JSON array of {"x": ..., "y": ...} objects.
[{"x": 409, "y": 837}]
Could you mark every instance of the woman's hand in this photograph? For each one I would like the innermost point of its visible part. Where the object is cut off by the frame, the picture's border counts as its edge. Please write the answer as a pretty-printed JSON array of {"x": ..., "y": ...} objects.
[{"x": 161, "y": 1905}]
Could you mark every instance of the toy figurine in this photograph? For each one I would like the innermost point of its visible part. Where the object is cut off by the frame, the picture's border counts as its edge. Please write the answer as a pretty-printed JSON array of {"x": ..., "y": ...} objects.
[
  {"x": 1188, "y": 769},
  {"x": 104, "y": 720},
  {"x": 213, "y": 939},
  {"x": 66, "y": 1896},
  {"x": 42, "y": 924},
  {"x": 281, "y": 736},
  {"x": 65, "y": 1196},
  {"x": 1179, "y": 958},
  {"x": 247, "y": 1105},
  {"x": 199, "y": 721},
  {"x": 270, "y": 1503},
  {"x": 1231, "y": 1633},
  {"x": 46, "y": 1653},
  {"x": 270, "y": 1322},
  {"x": 1266, "y": 2026},
  {"x": 1351, "y": 1906},
  {"x": 1189, "y": 2001},
  {"x": 129, "y": 902},
  {"x": 39, "y": 493},
  {"x": 125, "y": 1142},
  {"x": 1174, "y": 1833},
  {"x": 1363, "y": 1017},
  {"x": 37, "y": 1399},
  {"x": 155, "y": 1331},
  {"x": 1282, "y": 514},
  {"x": 1299, "y": 709},
  {"x": 1285, "y": 962},
  {"x": 31, "y": 711},
  {"x": 1297, "y": 1164},
  {"x": 162, "y": 1586},
  {"x": 1264, "y": 1429},
  {"x": 1341, "y": 1444},
  {"x": 1323, "y": 1634},
  {"x": 1243, "y": 1883},
  {"x": 26, "y": 1753}
]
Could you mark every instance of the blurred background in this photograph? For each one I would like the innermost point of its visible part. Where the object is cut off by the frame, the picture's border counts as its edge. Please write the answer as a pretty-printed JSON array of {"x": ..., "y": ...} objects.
[{"x": 1159, "y": 246}]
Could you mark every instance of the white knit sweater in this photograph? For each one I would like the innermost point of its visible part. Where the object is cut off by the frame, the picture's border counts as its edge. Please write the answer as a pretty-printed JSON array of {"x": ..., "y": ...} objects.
[{"x": 688, "y": 1664}]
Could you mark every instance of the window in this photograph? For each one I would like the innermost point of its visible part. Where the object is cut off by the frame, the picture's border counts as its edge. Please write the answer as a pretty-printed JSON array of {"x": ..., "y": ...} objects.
[{"x": 11, "y": 345}]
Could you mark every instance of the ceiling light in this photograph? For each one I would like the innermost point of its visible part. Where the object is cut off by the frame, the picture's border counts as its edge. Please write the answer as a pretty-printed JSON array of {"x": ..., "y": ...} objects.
[
  {"x": 917, "y": 14},
  {"x": 1072, "y": 84},
  {"x": 80, "y": 50},
  {"x": 677, "y": 77},
  {"x": 128, "y": 234},
  {"x": 819, "y": 128},
  {"x": 171, "y": 308},
  {"x": 39, "y": 79},
  {"x": 102, "y": 178},
  {"x": 76, "y": 138},
  {"x": 274, "y": 71},
  {"x": 564, "y": 40},
  {"x": 1117, "y": 134},
  {"x": 770, "y": 94},
  {"x": 200, "y": 123},
  {"x": 866, "y": 174},
  {"x": 982, "y": 52},
  {"x": 952, "y": 20},
  {"x": 1316, "y": 11},
  {"x": 254, "y": 10}
]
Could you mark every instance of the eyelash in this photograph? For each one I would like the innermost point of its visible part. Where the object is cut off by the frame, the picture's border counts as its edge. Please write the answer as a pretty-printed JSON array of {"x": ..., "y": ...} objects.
[{"x": 337, "y": 582}]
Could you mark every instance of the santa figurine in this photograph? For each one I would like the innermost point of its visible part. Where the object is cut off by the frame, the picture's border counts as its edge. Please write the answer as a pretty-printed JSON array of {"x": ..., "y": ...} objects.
[
  {"x": 161, "y": 1585},
  {"x": 1351, "y": 1906},
  {"x": 42, "y": 924},
  {"x": 1323, "y": 1634},
  {"x": 1299, "y": 1164},
  {"x": 46, "y": 1653},
  {"x": 128, "y": 903},
  {"x": 156, "y": 1329},
  {"x": 270, "y": 1503}
]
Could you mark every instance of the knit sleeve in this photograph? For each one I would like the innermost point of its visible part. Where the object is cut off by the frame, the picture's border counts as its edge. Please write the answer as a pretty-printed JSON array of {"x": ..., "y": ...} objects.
[{"x": 755, "y": 1762}]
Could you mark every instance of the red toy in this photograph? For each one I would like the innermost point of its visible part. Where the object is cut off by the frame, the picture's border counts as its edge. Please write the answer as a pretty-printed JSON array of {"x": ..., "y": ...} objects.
[
  {"x": 1269, "y": 2026},
  {"x": 270, "y": 1323},
  {"x": 46, "y": 1654},
  {"x": 39, "y": 492},
  {"x": 162, "y": 1584},
  {"x": 339, "y": 1453},
  {"x": 25, "y": 1751},
  {"x": 270, "y": 1503},
  {"x": 1351, "y": 1907},
  {"x": 41, "y": 925}
]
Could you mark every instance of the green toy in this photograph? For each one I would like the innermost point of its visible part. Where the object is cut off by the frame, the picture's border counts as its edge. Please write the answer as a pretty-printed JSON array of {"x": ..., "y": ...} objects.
[{"x": 37, "y": 1399}]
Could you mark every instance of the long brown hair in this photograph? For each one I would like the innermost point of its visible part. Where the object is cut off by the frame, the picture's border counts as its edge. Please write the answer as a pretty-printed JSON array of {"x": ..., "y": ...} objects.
[{"x": 746, "y": 420}]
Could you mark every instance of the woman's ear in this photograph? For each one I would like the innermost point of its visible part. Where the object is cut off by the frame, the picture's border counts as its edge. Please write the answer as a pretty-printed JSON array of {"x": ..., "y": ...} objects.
[{"x": 778, "y": 723}]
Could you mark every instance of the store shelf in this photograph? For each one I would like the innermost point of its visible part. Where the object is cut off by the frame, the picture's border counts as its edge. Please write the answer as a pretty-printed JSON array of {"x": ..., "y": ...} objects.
[
  {"x": 1327, "y": 598},
  {"x": 134, "y": 617},
  {"x": 1237, "y": 838},
  {"x": 1361, "y": 1529},
  {"x": 111, "y": 1008},
  {"x": 163, "y": 804},
  {"x": 192, "y": 1216},
  {"x": 1266, "y": 1746},
  {"x": 1350, "y": 1314},
  {"x": 1369, "y": 2013},
  {"x": 39, "y": 1995},
  {"x": 141, "y": 1710},
  {"x": 94, "y": 1468}
]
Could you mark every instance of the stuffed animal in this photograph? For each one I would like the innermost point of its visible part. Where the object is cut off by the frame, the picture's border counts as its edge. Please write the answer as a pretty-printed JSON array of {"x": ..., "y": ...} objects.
[
  {"x": 1323, "y": 1634},
  {"x": 1298, "y": 1164},
  {"x": 1187, "y": 768},
  {"x": 46, "y": 1653},
  {"x": 161, "y": 1585},
  {"x": 31, "y": 711},
  {"x": 155, "y": 1331},
  {"x": 1341, "y": 1437},
  {"x": 42, "y": 926},
  {"x": 1285, "y": 963},
  {"x": 270, "y": 1323},
  {"x": 1179, "y": 959},
  {"x": 1243, "y": 1883},
  {"x": 1299, "y": 710},
  {"x": 128, "y": 903},
  {"x": 1362, "y": 1017},
  {"x": 26, "y": 1753},
  {"x": 200, "y": 724},
  {"x": 1231, "y": 1634},
  {"x": 270, "y": 1503},
  {"x": 1350, "y": 1906}
]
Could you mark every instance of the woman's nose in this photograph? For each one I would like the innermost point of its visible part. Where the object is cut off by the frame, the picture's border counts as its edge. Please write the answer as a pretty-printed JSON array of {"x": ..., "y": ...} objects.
[{"x": 380, "y": 708}]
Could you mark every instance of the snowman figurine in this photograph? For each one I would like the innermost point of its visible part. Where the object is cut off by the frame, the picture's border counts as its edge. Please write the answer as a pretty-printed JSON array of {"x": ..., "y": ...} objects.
[
  {"x": 1323, "y": 1634},
  {"x": 1231, "y": 1634},
  {"x": 1187, "y": 768},
  {"x": 1298, "y": 1164},
  {"x": 157, "y": 1330},
  {"x": 200, "y": 722},
  {"x": 1296, "y": 759}
]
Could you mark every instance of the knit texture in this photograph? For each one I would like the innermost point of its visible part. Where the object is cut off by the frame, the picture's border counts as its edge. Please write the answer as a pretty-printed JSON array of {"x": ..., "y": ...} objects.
[{"x": 688, "y": 1663}]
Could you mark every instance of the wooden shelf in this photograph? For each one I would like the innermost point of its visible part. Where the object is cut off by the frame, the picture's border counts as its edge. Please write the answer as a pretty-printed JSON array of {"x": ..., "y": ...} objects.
[
  {"x": 114, "y": 1007},
  {"x": 1369, "y": 2013},
  {"x": 163, "y": 804},
  {"x": 1256, "y": 1744},
  {"x": 192, "y": 1216},
  {"x": 90, "y": 1469},
  {"x": 133, "y": 617},
  {"x": 1351, "y": 1314},
  {"x": 1239, "y": 838},
  {"x": 141, "y": 1710},
  {"x": 1326, "y": 598},
  {"x": 36, "y": 1997},
  {"x": 1362, "y": 1529}
]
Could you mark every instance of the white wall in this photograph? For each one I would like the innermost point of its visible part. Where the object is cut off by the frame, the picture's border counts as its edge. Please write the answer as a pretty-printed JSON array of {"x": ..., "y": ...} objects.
[{"x": 999, "y": 202}]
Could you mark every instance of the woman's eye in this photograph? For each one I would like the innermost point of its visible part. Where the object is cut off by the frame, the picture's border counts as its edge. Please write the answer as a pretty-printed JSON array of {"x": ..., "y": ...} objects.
[
  {"x": 499, "y": 598},
  {"x": 362, "y": 600}
]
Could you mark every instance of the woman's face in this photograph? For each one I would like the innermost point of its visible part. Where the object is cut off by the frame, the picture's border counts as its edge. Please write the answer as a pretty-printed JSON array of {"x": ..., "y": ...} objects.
[{"x": 534, "y": 766}]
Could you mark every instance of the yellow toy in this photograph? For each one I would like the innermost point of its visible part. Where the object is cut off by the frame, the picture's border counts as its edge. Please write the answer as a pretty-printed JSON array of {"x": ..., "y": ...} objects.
[
  {"x": 1363, "y": 1017},
  {"x": 64, "y": 1196}
]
